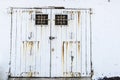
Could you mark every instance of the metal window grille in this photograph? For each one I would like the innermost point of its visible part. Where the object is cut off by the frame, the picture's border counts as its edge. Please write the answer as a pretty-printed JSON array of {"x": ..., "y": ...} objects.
[
  {"x": 61, "y": 20},
  {"x": 41, "y": 19}
]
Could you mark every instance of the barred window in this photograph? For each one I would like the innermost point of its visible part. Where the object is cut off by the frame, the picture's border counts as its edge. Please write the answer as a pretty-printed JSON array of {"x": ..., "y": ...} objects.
[
  {"x": 41, "y": 19},
  {"x": 61, "y": 19}
]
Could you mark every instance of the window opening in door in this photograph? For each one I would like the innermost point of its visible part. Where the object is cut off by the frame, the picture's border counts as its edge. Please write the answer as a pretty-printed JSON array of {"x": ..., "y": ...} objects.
[
  {"x": 41, "y": 19},
  {"x": 61, "y": 19}
]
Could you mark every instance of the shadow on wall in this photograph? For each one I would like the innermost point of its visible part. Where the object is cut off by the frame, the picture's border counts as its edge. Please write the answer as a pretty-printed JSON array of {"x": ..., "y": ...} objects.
[{"x": 109, "y": 78}]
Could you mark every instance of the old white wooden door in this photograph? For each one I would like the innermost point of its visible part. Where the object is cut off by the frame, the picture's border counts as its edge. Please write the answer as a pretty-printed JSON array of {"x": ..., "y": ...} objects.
[{"x": 48, "y": 42}]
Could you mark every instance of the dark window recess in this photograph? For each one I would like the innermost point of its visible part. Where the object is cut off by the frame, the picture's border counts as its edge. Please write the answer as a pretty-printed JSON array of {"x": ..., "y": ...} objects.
[
  {"x": 61, "y": 20},
  {"x": 41, "y": 19}
]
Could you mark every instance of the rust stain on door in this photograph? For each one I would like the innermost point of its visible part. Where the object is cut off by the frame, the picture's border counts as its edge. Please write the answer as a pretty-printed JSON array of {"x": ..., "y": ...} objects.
[
  {"x": 71, "y": 42},
  {"x": 66, "y": 47},
  {"x": 78, "y": 48},
  {"x": 30, "y": 74},
  {"x": 29, "y": 46},
  {"x": 79, "y": 17},
  {"x": 23, "y": 47},
  {"x": 31, "y": 11},
  {"x": 38, "y": 46}
]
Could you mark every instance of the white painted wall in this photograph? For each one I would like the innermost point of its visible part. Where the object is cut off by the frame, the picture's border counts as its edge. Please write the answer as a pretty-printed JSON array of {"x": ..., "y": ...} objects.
[{"x": 105, "y": 27}]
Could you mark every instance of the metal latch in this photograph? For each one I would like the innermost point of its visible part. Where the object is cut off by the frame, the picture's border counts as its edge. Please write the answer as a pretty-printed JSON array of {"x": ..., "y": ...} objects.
[{"x": 51, "y": 38}]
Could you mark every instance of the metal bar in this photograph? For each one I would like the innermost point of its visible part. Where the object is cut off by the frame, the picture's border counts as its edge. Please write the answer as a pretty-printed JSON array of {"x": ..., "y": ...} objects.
[
  {"x": 65, "y": 65},
  {"x": 9, "y": 74},
  {"x": 16, "y": 41},
  {"x": 86, "y": 41},
  {"x": 76, "y": 42},
  {"x": 49, "y": 77},
  {"x": 81, "y": 43},
  {"x": 50, "y": 40},
  {"x": 36, "y": 45},
  {"x": 59, "y": 7},
  {"x": 21, "y": 41},
  {"x": 49, "y": 7},
  {"x": 25, "y": 42},
  {"x": 91, "y": 43}
]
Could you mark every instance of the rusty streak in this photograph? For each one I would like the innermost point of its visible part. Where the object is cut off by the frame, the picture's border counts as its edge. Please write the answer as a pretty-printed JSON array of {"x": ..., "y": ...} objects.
[
  {"x": 30, "y": 12},
  {"x": 38, "y": 44},
  {"x": 78, "y": 18},
  {"x": 30, "y": 74},
  {"x": 71, "y": 41},
  {"x": 66, "y": 46},
  {"x": 26, "y": 46},
  {"x": 71, "y": 44},
  {"x": 23, "y": 47},
  {"x": 29, "y": 46},
  {"x": 78, "y": 48}
]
